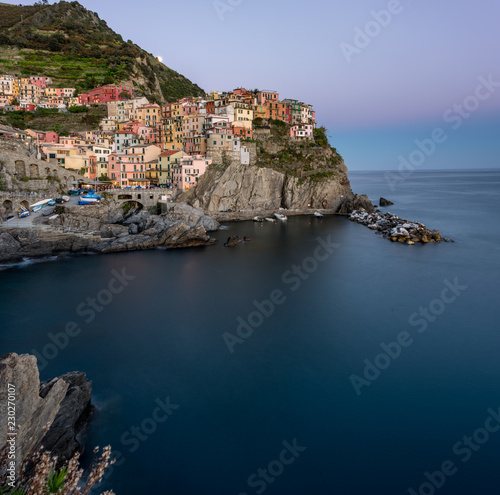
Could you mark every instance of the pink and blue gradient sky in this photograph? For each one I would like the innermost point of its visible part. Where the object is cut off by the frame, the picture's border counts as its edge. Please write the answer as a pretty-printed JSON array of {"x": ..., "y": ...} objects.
[{"x": 424, "y": 61}]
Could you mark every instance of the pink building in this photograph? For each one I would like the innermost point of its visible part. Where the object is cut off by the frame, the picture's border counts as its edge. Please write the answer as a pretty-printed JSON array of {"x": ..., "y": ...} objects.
[
  {"x": 267, "y": 95},
  {"x": 129, "y": 168},
  {"x": 40, "y": 81},
  {"x": 302, "y": 132},
  {"x": 189, "y": 170},
  {"x": 105, "y": 94}
]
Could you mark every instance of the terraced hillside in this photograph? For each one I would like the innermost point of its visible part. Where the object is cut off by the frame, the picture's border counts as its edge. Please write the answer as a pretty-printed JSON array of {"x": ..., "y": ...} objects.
[{"x": 76, "y": 48}]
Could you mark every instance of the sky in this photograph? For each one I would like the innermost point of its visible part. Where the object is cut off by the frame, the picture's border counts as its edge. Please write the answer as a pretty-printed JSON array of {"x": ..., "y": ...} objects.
[{"x": 390, "y": 71}]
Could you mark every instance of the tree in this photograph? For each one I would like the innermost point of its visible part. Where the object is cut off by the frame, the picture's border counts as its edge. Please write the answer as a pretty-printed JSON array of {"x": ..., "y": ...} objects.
[
  {"x": 104, "y": 178},
  {"x": 125, "y": 95}
]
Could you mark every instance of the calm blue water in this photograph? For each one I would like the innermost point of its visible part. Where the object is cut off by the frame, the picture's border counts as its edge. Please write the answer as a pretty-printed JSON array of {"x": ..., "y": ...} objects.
[{"x": 290, "y": 381}]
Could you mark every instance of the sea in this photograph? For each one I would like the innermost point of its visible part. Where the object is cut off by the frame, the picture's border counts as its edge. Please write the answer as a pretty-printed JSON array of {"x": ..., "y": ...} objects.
[{"x": 316, "y": 359}]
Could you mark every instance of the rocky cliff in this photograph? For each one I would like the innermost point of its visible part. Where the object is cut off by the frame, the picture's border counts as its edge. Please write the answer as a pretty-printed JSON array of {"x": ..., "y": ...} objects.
[
  {"x": 282, "y": 173},
  {"x": 250, "y": 187},
  {"x": 64, "y": 402}
]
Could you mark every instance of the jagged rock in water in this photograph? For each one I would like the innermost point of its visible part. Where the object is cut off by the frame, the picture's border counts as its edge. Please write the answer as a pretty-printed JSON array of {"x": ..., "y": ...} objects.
[
  {"x": 385, "y": 202},
  {"x": 235, "y": 240}
]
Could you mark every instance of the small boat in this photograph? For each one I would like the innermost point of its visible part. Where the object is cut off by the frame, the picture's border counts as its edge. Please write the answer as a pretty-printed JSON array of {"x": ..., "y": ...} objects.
[
  {"x": 40, "y": 205},
  {"x": 24, "y": 213},
  {"x": 48, "y": 212},
  {"x": 270, "y": 220},
  {"x": 256, "y": 219},
  {"x": 317, "y": 214},
  {"x": 51, "y": 202},
  {"x": 91, "y": 197},
  {"x": 73, "y": 192},
  {"x": 59, "y": 200},
  {"x": 87, "y": 202},
  {"x": 65, "y": 198},
  {"x": 279, "y": 216}
]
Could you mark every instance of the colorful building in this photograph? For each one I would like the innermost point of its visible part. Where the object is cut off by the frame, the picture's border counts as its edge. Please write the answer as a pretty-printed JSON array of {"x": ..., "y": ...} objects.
[
  {"x": 189, "y": 170},
  {"x": 166, "y": 162},
  {"x": 105, "y": 94}
]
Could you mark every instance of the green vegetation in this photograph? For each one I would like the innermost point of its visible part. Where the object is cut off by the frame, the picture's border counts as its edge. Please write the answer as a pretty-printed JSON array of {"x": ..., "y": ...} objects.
[
  {"x": 76, "y": 48},
  {"x": 320, "y": 137},
  {"x": 53, "y": 120}
]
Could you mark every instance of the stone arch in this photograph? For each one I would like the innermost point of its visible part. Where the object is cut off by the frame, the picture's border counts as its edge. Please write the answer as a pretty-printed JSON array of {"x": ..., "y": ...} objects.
[
  {"x": 54, "y": 173},
  {"x": 20, "y": 168},
  {"x": 47, "y": 171},
  {"x": 25, "y": 204},
  {"x": 7, "y": 205},
  {"x": 132, "y": 206},
  {"x": 72, "y": 178},
  {"x": 139, "y": 196},
  {"x": 125, "y": 196},
  {"x": 34, "y": 172}
]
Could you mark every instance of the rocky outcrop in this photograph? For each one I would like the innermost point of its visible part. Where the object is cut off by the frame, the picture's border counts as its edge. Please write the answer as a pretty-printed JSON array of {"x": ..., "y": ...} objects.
[
  {"x": 249, "y": 187},
  {"x": 397, "y": 229},
  {"x": 385, "y": 202},
  {"x": 108, "y": 229},
  {"x": 357, "y": 202},
  {"x": 235, "y": 240},
  {"x": 63, "y": 401}
]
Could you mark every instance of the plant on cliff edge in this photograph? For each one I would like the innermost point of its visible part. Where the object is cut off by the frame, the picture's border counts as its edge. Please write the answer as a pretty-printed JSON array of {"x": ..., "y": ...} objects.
[{"x": 69, "y": 480}]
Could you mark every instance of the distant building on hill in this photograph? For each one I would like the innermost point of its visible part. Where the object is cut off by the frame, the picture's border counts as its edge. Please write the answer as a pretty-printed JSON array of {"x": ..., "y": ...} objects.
[{"x": 105, "y": 94}]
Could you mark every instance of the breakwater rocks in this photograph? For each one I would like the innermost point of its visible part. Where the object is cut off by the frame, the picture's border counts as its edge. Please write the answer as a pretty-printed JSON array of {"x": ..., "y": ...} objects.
[
  {"x": 64, "y": 402},
  {"x": 108, "y": 229},
  {"x": 396, "y": 229}
]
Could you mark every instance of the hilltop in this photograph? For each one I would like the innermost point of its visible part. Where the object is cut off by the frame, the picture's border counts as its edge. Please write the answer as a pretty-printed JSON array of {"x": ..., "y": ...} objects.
[{"x": 76, "y": 48}]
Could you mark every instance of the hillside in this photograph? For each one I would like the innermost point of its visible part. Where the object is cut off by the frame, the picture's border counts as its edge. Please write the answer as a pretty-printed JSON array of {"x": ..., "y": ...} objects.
[{"x": 76, "y": 48}]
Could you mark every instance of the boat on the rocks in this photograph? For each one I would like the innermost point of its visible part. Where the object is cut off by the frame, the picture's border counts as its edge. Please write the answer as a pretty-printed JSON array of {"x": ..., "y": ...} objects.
[
  {"x": 317, "y": 214},
  {"x": 279, "y": 216}
]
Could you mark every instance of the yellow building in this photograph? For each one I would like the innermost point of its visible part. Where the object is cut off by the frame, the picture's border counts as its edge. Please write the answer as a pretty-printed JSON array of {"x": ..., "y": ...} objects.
[
  {"x": 166, "y": 162},
  {"x": 172, "y": 137},
  {"x": 259, "y": 111},
  {"x": 149, "y": 115}
]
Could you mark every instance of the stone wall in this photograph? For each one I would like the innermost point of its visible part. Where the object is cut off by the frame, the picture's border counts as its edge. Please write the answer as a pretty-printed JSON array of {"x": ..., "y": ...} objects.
[{"x": 24, "y": 178}]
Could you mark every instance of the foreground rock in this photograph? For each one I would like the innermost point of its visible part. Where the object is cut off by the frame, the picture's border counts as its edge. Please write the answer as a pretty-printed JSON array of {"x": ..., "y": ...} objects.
[
  {"x": 385, "y": 202},
  {"x": 108, "y": 229},
  {"x": 396, "y": 229},
  {"x": 63, "y": 401}
]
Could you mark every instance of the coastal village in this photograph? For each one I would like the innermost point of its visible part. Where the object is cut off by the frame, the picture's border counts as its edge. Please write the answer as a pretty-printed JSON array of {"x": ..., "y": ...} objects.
[{"x": 140, "y": 144}]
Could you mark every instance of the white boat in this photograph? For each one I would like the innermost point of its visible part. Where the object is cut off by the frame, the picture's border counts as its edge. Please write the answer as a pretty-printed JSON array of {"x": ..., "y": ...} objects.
[
  {"x": 88, "y": 199},
  {"x": 270, "y": 220},
  {"x": 40, "y": 204},
  {"x": 317, "y": 214},
  {"x": 256, "y": 219},
  {"x": 279, "y": 216},
  {"x": 65, "y": 198}
]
